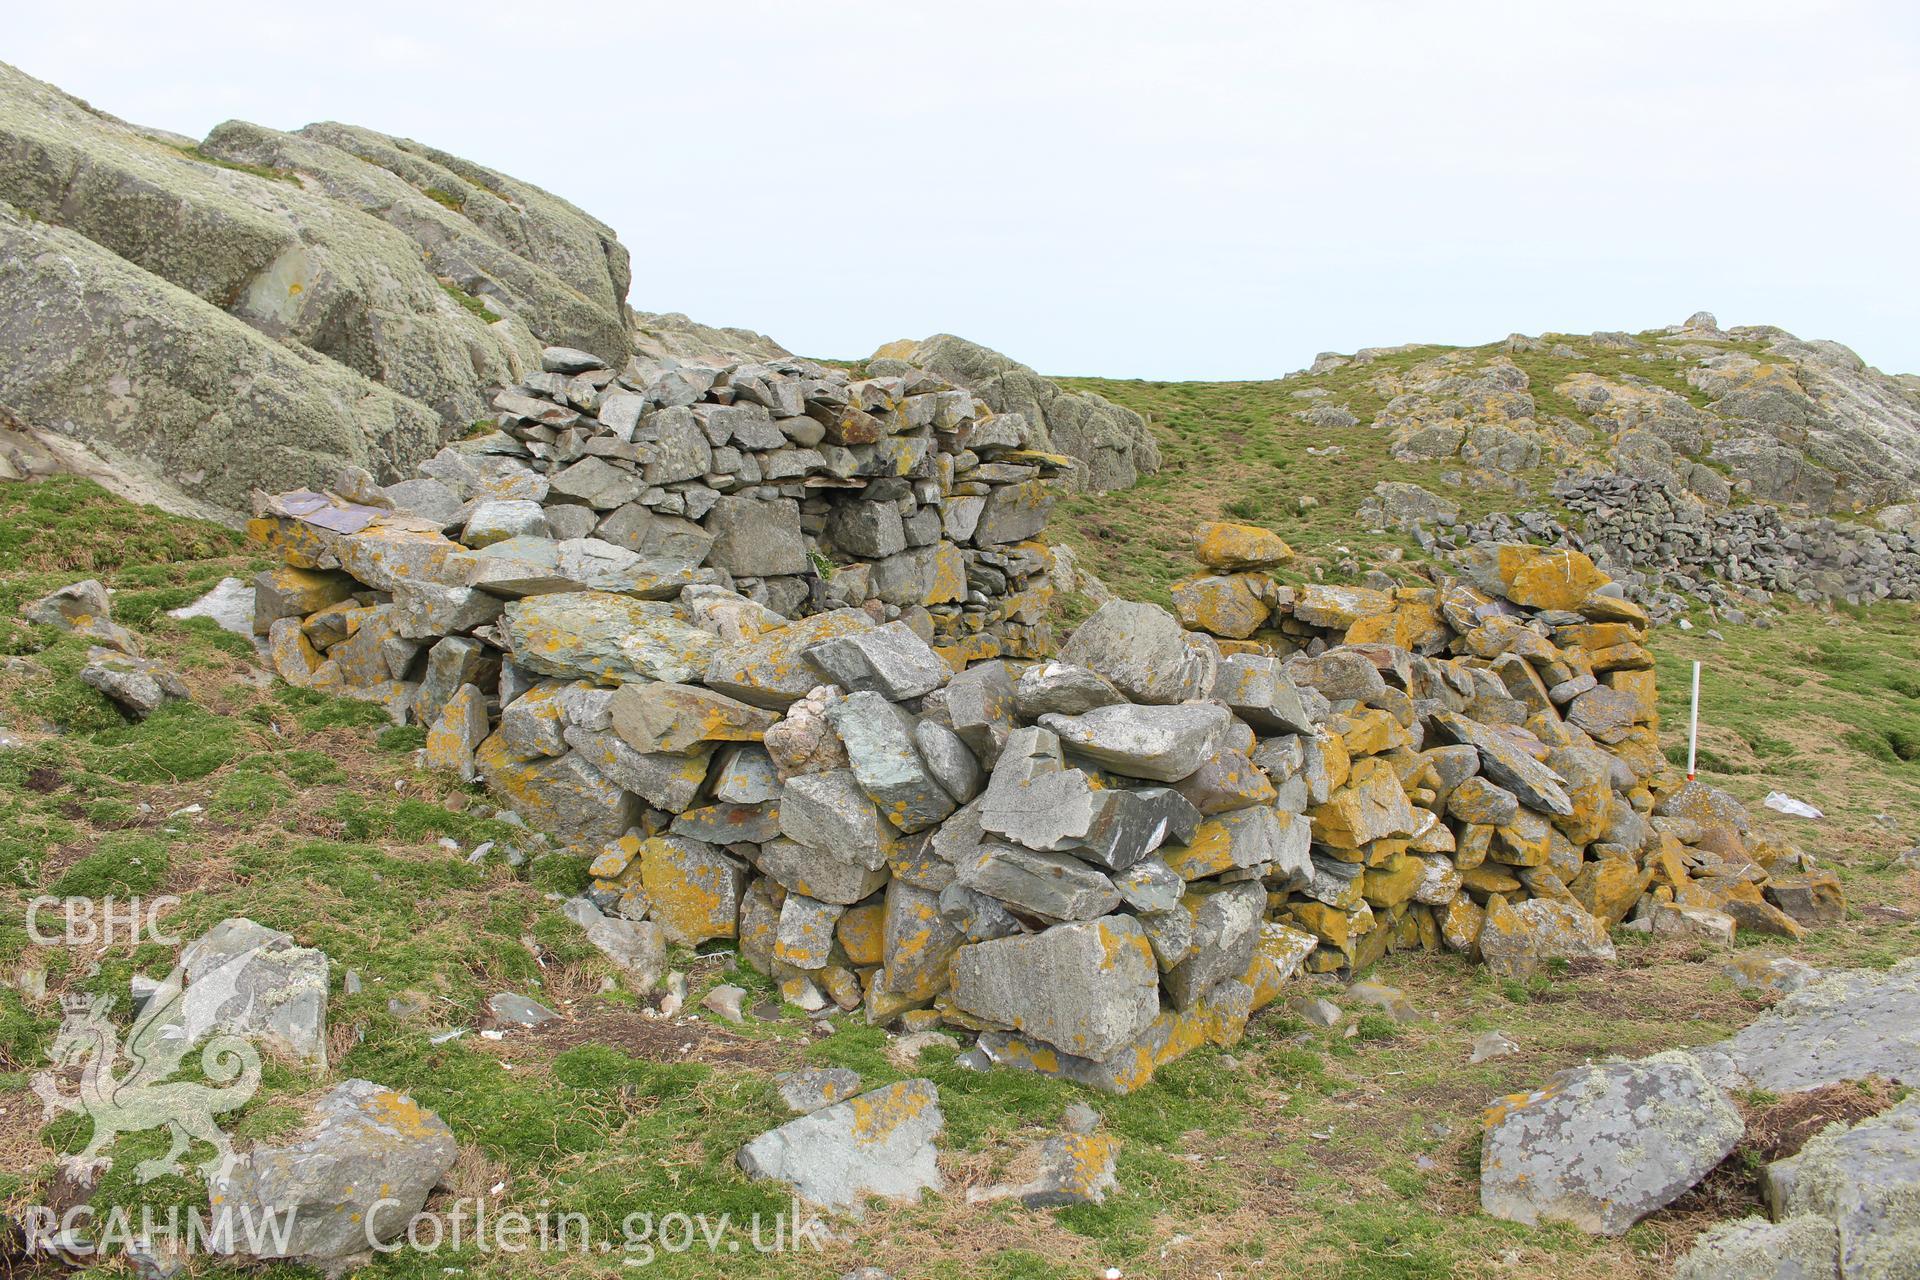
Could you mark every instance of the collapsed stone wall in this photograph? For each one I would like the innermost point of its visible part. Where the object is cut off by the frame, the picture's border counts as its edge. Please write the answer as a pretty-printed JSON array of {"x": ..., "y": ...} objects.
[
  {"x": 1662, "y": 544},
  {"x": 1484, "y": 770},
  {"x": 871, "y": 783},
  {"x": 1678, "y": 541}
]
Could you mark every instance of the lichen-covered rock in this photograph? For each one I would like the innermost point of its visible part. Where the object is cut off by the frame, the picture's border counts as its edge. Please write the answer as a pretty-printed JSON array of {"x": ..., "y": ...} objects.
[
  {"x": 248, "y": 980},
  {"x": 1517, "y": 941},
  {"x": 1847, "y": 1026},
  {"x": 1112, "y": 444},
  {"x": 1143, "y": 651},
  {"x": 363, "y": 1165},
  {"x": 1601, "y": 1147},
  {"x": 1804, "y": 1247},
  {"x": 1087, "y": 988},
  {"x": 876, "y": 1144},
  {"x": 1236, "y": 547},
  {"x": 600, "y": 636},
  {"x": 1865, "y": 1180}
]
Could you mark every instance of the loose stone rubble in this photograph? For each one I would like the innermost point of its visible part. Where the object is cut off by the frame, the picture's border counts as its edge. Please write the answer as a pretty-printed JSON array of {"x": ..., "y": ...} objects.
[{"x": 880, "y": 788}]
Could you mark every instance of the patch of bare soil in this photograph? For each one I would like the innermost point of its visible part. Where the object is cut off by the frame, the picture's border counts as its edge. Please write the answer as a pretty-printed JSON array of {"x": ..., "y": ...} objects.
[
  {"x": 658, "y": 1040},
  {"x": 1775, "y": 1131}
]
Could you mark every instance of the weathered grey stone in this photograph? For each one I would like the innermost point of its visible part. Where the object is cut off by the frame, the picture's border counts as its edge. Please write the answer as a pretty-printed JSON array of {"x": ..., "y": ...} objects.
[
  {"x": 665, "y": 780},
  {"x": 1226, "y": 925},
  {"x": 660, "y": 538},
  {"x": 755, "y": 538},
  {"x": 975, "y": 915},
  {"x": 1165, "y": 744},
  {"x": 1072, "y": 1168},
  {"x": 228, "y": 606},
  {"x": 980, "y": 706},
  {"x": 949, "y": 761},
  {"x": 424, "y": 497},
  {"x": 804, "y": 936},
  {"x": 251, "y": 981},
  {"x": 1112, "y": 444},
  {"x": 879, "y": 740},
  {"x": 1848, "y": 1026},
  {"x": 1053, "y": 885},
  {"x": 1131, "y": 824},
  {"x": 743, "y": 774},
  {"x": 809, "y": 1089},
  {"x": 1603, "y": 1146},
  {"x": 1865, "y": 1180},
  {"x": 496, "y": 521},
  {"x": 1805, "y": 1247},
  {"x": 425, "y": 610},
  {"x": 597, "y": 635},
  {"x": 878, "y": 1144},
  {"x": 890, "y": 660},
  {"x": 563, "y": 795},
  {"x": 452, "y": 662},
  {"x": 83, "y": 608},
  {"x": 832, "y": 811},
  {"x": 1504, "y": 761},
  {"x": 666, "y": 716},
  {"x": 729, "y": 824},
  {"x": 526, "y": 566},
  {"x": 1150, "y": 885},
  {"x": 213, "y": 317},
  {"x": 638, "y": 947},
  {"x": 870, "y": 530},
  {"x": 1517, "y": 940},
  {"x": 138, "y": 686},
  {"x": 819, "y": 872},
  {"x": 676, "y": 448},
  {"x": 363, "y": 1164},
  {"x": 766, "y": 668},
  {"x": 1063, "y": 689},
  {"x": 1255, "y": 688},
  {"x": 1033, "y": 800},
  {"x": 1143, "y": 651},
  {"x": 1089, "y": 987}
]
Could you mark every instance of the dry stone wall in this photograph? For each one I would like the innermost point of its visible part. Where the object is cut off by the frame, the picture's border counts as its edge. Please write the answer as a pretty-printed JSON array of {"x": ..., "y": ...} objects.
[{"x": 879, "y": 788}]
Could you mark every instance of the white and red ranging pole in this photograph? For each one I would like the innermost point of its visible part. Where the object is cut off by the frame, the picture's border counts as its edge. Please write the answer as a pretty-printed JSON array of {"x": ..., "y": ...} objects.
[{"x": 1693, "y": 729}]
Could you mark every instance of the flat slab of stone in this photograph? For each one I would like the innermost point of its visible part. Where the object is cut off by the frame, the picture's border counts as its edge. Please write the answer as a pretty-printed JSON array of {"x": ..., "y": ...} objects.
[
  {"x": 1847, "y": 1026},
  {"x": 1601, "y": 1147},
  {"x": 876, "y": 1144}
]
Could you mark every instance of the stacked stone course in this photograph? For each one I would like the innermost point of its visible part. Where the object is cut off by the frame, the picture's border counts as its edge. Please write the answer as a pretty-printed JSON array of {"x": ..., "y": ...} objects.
[{"x": 891, "y": 801}]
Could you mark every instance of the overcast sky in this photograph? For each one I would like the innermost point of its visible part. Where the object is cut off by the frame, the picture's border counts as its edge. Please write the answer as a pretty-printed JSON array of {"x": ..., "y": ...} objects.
[{"x": 1165, "y": 190}]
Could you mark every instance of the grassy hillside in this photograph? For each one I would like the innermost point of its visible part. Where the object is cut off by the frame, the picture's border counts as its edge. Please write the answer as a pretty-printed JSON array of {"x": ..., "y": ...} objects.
[{"x": 1302, "y": 1153}]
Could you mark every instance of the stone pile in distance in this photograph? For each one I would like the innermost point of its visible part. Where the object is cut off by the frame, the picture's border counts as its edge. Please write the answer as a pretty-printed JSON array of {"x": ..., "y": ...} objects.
[{"x": 1485, "y": 772}]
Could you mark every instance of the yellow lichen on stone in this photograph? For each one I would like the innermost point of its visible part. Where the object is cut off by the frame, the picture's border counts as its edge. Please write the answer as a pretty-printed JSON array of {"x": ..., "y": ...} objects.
[
  {"x": 862, "y": 933},
  {"x": 1220, "y": 545},
  {"x": 1547, "y": 577}
]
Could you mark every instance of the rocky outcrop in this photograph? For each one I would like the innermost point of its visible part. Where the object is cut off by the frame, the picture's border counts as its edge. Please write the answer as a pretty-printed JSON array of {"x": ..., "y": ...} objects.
[
  {"x": 126, "y": 372},
  {"x": 663, "y": 340},
  {"x": 1111, "y": 443},
  {"x": 261, "y": 307}
]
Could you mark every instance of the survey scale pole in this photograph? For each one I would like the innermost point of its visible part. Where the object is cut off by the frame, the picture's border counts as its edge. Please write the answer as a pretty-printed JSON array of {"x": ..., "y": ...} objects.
[{"x": 1693, "y": 728}]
